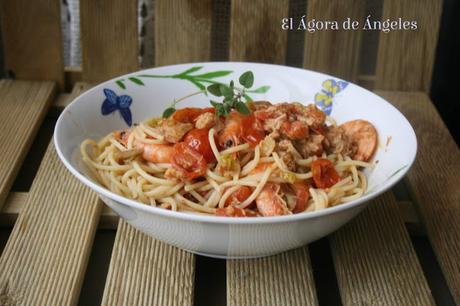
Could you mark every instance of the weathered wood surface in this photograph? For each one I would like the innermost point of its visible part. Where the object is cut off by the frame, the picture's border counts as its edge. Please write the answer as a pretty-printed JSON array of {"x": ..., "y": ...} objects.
[
  {"x": 255, "y": 31},
  {"x": 434, "y": 180},
  {"x": 108, "y": 38},
  {"x": 406, "y": 57},
  {"x": 334, "y": 51},
  {"x": 284, "y": 279},
  {"x": 31, "y": 38},
  {"x": 24, "y": 105},
  {"x": 375, "y": 261},
  {"x": 182, "y": 31},
  {"x": 45, "y": 258},
  {"x": 144, "y": 271}
]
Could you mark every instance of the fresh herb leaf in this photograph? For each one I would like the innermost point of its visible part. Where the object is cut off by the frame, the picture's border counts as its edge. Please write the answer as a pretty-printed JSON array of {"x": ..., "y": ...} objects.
[
  {"x": 247, "y": 98},
  {"x": 247, "y": 79},
  {"x": 242, "y": 108},
  {"x": 215, "y": 89},
  {"x": 168, "y": 112},
  {"x": 215, "y": 104},
  {"x": 262, "y": 89},
  {"x": 226, "y": 91}
]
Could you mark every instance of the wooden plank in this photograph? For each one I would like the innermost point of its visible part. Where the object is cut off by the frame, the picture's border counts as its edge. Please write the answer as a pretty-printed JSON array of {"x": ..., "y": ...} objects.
[
  {"x": 255, "y": 31},
  {"x": 405, "y": 58},
  {"x": 434, "y": 181},
  {"x": 284, "y": 279},
  {"x": 144, "y": 271},
  {"x": 65, "y": 99},
  {"x": 108, "y": 38},
  {"x": 72, "y": 76},
  {"x": 16, "y": 201},
  {"x": 375, "y": 261},
  {"x": 334, "y": 51},
  {"x": 32, "y": 39},
  {"x": 46, "y": 255},
  {"x": 182, "y": 31},
  {"x": 27, "y": 101}
]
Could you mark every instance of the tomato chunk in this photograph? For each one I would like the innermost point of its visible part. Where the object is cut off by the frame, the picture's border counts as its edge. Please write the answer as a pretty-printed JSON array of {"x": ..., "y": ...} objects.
[
  {"x": 302, "y": 194},
  {"x": 239, "y": 195},
  {"x": 253, "y": 132},
  {"x": 188, "y": 161},
  {"x": 189, "y": 114},
  {"x": 198, "y": 140},
  {"x": 324, "y": 174}
]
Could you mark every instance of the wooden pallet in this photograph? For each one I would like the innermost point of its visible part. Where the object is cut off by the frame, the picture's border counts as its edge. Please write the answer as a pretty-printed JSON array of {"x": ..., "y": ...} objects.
[
  {"x": 49, "y": 256},
  {"x": 44, "y": 261}
]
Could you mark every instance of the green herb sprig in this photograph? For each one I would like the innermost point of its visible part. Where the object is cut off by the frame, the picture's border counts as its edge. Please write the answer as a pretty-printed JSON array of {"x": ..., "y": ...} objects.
[{"x": 232, "y": 96}]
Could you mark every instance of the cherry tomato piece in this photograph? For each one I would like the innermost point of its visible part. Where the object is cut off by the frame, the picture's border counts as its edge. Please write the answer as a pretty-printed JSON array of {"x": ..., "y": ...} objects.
[
  {"x": 189, "y": 114},
  {"x": 187, "y": 160},
  {"x": 252, "y": 130},
  {"x": 198, "y": 139},
  {"x": 324, "y": 174},
  {"x": 239, "y": 195},
  {"x": 302, "y": 194}
]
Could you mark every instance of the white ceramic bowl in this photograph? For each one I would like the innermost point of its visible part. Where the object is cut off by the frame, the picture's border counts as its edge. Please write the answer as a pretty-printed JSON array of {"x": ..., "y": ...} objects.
[{"x": 153, "y": 89}]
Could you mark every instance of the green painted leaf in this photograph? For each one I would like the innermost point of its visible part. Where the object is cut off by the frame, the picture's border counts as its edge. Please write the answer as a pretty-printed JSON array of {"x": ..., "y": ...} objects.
[
  {"x": 215, "y": 90},
  {"x": 242, "y": 108},
  {"x": 136, "y": 81},
  {"x": 120, "y": 84},
  {"x": 190, "y": 70},
  {"x": 247, "y": 79},
  {"x": 226, "y": 91},
  {"x": 214, "y": 74},
  {"x": 262, "y": 89},
  {"x": 198, "y": 84},
  {"x": 168, "y": 112}
]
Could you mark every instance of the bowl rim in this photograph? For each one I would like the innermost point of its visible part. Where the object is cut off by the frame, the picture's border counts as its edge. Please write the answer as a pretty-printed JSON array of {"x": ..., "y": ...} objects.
[{"x": 221, "y": 219}]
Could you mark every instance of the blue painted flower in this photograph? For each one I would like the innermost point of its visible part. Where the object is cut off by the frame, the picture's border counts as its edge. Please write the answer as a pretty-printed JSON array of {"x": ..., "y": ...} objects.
[
  {"x": 113, "y": 102},
  {"x": 323, "y": 99}
]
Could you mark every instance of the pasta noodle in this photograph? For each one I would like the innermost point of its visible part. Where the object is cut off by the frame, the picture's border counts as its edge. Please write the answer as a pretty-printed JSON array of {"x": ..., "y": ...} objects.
[{"x": 236, "y": 176}]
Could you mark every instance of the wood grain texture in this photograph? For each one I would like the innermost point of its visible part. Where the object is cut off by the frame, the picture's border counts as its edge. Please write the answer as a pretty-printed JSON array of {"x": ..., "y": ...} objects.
[
  {"x": 32, "y": 39},
  {"x": 16, "y": 201},
  {"x": 334, "y": 51},
  {"x": 24, "y": 105},
  {"x": 144, "y": 271},
  {"x": 284, "y": 279},
  {"x": 405, "y": 58},
  {"x": 182, "y": 31},
  {"x": 255, "y": 31},
  {"x": 434, "y": 181},
  {"x": 108, "y": 38},
  {"x": 375, "y": 261},
  {"x": 45, "y": 258}
]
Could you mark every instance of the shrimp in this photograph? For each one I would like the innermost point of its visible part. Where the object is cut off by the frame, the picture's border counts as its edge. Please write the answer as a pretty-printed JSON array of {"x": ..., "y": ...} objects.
[
  {"x": 231, "y": 134},
  {"x": 269, "y": 203},
  {"x": 155, "y": 153},
  {"x": 364, "y": 135}
]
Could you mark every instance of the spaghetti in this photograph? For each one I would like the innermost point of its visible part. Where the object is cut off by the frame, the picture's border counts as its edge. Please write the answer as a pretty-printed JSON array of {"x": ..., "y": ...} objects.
[{"x": 276, "y": 161}]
